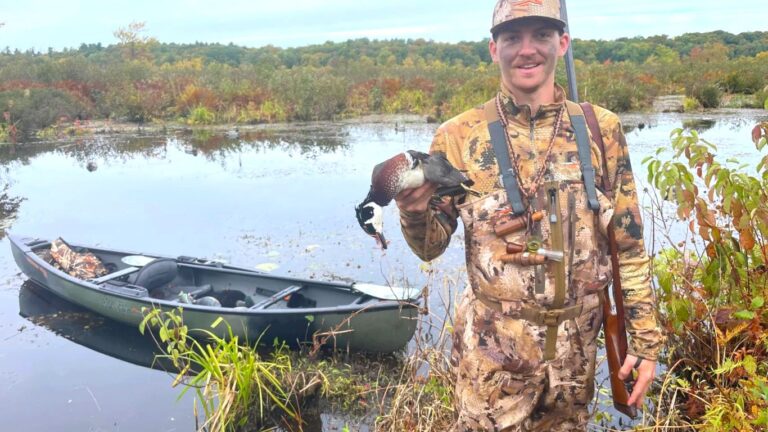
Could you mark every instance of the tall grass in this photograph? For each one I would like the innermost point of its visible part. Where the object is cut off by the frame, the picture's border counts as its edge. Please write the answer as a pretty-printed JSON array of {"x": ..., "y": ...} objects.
[
  {"x": 421, "y": 399},
  {"x": 230, "y": 378}
]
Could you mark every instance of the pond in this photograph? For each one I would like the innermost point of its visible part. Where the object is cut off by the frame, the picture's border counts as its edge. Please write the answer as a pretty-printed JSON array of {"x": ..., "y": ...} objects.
[{"x": 277, "y": 195}]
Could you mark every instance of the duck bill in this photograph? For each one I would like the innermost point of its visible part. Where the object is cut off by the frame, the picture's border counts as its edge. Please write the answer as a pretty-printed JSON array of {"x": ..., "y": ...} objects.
[{"x": 381, "y": 240}]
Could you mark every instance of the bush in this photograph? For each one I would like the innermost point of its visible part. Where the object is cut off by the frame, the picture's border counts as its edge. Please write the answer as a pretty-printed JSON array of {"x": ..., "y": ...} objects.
[
  {"x": 712, "y": 288},
  {"x": 270, "y": 111},
  {"x": 761, "y": 98},
  {"x": 310, "y": 93},
  {"x": 138, "y": 101},
  {"x": 743, "y": 81},
  {"x": 37, "y": 108},
  {"x": 691, "y": 104},
  {"x": 406, "y": 101},
  {"x": 618, "y": 98},
  {"x": 200, "y": 116},
  {"x": 709, "y": 95}
]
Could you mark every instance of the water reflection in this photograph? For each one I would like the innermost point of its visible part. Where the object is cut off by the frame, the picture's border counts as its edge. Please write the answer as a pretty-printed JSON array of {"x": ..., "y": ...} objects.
[
  {"x": 305, "y": 140},
  {"x": 9, "y": 204},
  {"x": 86, "y": 328},
  {"x": 700, "y": 125}
]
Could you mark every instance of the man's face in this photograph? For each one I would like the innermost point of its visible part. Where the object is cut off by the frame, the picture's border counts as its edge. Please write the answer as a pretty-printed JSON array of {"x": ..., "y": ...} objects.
[{"x": 527, "y": 54}]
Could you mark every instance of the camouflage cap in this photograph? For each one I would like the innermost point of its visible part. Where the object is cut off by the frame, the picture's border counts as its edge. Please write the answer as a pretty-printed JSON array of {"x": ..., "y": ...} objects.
[{"x": 509, "y": 10}]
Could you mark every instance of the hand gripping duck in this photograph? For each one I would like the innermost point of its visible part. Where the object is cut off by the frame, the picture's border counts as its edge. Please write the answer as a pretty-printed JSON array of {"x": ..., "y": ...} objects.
[{"x": 404, "y": 171}]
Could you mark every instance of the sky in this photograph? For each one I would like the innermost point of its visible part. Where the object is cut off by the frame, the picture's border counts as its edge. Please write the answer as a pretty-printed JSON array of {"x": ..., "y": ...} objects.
[{"x": 40, "y": 24}]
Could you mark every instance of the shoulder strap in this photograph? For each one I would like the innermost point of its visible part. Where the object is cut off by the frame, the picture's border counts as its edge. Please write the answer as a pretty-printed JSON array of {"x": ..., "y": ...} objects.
[
  {"x": 500, "y": 148},
  {"x": 597, "y": 137},
  {"x": 585, "y": 154}
]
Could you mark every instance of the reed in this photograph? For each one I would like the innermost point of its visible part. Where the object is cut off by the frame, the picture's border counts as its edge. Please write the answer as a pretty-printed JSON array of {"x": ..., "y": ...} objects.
[{"x": 233, "y": 383}]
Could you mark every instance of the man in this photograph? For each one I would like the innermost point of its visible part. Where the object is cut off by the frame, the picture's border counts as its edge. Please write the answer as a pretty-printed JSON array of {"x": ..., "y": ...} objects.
[{"x": 522, "y": 361}]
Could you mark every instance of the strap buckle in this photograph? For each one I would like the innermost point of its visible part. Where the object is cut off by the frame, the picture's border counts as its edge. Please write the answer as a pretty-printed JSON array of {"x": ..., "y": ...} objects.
[{"x": 551, "y": 317}]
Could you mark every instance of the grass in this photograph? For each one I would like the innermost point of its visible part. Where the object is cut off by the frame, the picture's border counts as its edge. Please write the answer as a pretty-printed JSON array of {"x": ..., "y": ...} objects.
[
  {"x": 238, "y": 388},
  {"x": 231, "y": 379}
]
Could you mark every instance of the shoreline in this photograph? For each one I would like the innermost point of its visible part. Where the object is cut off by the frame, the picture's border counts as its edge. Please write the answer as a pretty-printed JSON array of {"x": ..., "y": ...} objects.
[{"x": 101, "y": 127}]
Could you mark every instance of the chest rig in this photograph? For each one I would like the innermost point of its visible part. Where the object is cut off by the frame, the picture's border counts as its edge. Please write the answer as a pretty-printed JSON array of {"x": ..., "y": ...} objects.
[{"x": 520, "y": 216}]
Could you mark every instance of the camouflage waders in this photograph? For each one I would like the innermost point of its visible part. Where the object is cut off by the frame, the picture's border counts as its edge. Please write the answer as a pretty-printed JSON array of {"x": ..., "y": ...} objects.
[{"x": 510, "y": 375}]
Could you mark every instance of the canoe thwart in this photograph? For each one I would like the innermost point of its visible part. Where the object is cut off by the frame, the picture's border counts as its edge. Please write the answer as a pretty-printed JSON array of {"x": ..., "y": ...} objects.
[
  {"x": 115, "y": 275},
  {"x": 269, "y": 301}
]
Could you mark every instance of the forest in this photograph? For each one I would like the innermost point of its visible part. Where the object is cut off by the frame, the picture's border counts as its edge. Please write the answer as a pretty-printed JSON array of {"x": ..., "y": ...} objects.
[{"x": 139, "y": 79}]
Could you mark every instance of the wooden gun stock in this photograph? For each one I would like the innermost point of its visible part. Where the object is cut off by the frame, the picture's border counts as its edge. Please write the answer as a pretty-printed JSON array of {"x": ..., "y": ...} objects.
[{"x": 616, "y": 335}]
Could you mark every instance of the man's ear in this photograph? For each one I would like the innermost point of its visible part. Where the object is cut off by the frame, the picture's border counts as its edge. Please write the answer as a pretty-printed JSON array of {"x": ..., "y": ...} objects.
[
  {"x": 565, "y": 42},
  {"x": 492, "y": 50}
]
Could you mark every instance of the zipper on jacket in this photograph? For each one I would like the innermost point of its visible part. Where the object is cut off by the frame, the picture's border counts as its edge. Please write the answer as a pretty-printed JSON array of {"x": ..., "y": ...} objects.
[{"x": 534, "y": 149}]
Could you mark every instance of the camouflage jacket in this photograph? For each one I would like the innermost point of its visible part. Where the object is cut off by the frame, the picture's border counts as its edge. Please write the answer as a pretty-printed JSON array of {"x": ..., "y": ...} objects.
[{"x": 465, "y": 141}]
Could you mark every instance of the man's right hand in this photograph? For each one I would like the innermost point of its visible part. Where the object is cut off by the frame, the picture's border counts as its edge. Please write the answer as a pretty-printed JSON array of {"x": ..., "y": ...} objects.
[{"x": 416, "y": 200}]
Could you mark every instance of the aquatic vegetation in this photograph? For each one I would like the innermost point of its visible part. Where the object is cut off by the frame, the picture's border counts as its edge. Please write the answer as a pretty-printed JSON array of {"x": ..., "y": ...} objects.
[
  {"x": 232, "y": 381},
  {"x": 421, "y": 398},
  {"x": 240, "y": 387},
  {"x": 712, "y": 285}
]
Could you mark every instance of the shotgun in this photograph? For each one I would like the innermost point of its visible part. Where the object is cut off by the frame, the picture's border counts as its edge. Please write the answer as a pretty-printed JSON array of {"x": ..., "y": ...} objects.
[
  {"x": 616, "y": 334},
  {"x": 613, "y": 299}
]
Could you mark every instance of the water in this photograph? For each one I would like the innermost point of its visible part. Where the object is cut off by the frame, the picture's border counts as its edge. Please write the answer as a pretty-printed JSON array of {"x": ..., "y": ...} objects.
[{"x": 281, "y": 195}]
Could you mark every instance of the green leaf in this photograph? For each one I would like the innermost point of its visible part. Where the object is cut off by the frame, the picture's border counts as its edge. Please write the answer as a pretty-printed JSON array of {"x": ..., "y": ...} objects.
[
  {"x": 758, "y": 302},
  {"x": 681, "y": 310},
  {"x": 217, "y": 322},
  {"x": 750, "y": 364},
  {"x": 744, "y": 314},
  {"x": 310, "y": 318}
]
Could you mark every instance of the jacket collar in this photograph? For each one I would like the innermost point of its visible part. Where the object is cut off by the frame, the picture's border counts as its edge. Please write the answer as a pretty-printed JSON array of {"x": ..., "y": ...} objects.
[{"x": 522, "y": 113}]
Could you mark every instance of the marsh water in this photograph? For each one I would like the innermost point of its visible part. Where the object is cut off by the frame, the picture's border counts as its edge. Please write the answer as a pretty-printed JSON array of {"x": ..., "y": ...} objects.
[{"x": 279, "y": 198}]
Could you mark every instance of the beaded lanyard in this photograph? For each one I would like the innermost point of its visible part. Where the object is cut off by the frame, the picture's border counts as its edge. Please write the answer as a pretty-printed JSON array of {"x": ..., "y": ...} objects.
[{"x": 534, "y": 185}]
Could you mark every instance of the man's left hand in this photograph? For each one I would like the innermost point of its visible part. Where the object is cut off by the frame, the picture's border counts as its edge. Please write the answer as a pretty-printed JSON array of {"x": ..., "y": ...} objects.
[{"x": 646, "y": 370}]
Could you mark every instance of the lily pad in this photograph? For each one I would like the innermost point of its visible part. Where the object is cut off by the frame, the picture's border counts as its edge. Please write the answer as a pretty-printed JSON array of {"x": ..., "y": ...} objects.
[{"x": 267, "y": 267}]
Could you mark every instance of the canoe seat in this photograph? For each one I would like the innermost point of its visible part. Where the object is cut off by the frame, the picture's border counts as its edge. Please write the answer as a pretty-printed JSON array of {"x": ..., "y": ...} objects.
[
  {"x": 269, "y": 301},
  {"x": 156, "y": 274}
]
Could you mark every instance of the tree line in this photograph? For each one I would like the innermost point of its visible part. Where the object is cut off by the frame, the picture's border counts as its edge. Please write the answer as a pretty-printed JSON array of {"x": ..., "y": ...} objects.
[{"x": 139, "y": 79}]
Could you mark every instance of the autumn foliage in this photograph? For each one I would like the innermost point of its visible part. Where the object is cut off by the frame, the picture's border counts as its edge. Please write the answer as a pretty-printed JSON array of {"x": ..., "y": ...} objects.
[
  {"x": 712, "y": 283},
  {"x": 140, "y": 79}
]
